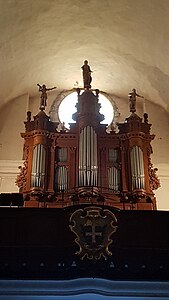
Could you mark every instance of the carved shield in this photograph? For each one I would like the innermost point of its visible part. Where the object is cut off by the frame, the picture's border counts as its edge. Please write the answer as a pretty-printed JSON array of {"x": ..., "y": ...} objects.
[{"x": 93, "y": 227}]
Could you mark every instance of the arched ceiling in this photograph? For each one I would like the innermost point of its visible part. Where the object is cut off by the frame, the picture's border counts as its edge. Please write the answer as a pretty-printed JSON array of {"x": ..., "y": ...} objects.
[{"x": 125, "y": 41}]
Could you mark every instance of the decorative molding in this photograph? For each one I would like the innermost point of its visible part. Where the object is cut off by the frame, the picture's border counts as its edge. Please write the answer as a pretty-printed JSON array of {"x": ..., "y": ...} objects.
[
  {"x": 8, "y": 174},
  {"x": 10, "y": 167},
  {"x": 163, "y": 171}
]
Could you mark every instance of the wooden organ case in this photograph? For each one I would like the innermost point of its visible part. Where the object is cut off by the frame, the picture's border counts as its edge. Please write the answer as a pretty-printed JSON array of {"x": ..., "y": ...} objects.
[{"x": 87, "y": 165}]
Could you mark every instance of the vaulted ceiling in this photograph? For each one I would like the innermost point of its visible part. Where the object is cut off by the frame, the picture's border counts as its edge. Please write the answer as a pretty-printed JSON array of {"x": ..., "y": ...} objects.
[{"x": 125, "y": 41}]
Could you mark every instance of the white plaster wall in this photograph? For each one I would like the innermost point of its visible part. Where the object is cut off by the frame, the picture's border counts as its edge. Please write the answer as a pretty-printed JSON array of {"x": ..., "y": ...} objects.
[
  {"x": 125, "y": 41},
  {"x": 8, "y": 174},
  {"x": 163, "y": 192},
  {"x": 12, "y": 116},
  {"x": 159, "y": 119}
]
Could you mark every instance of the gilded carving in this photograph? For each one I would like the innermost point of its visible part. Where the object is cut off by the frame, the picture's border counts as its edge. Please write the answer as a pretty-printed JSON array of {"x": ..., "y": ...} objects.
[
  {"x": 21, "y": 177},
  {"x": 153, "y": 178},
  {"x": 93, "y": 227}
]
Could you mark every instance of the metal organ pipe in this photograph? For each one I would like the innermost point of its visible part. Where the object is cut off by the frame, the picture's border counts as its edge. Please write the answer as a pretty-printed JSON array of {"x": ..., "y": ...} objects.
[
  {"x": 95, "y": 166},
  {"x": 80, "y": 160},
  {"x": 114, "y": 178},
  {"x": 88, "y": 166},
  {"x": 113, "y": 172},
  {"x": 92, "y": 158},
  {"x": 38, "y": 166},
  {"x": 110, "y": 177},
  {"x": 137, "y": 168},
  {"x": 84, "y": 155},
  {"x": 62, "y": 178}
]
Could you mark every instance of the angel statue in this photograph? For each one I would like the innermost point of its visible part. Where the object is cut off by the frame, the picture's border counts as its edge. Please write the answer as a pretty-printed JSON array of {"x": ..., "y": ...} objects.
[{"x": 44, "y": 89}]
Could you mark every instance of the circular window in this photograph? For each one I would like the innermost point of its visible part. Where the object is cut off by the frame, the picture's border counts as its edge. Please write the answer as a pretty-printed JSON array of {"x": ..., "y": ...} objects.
[{"x": 68, "y": 107}]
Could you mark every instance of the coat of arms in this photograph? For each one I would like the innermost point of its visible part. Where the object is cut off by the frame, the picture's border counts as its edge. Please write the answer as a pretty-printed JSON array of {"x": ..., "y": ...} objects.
[{"x": 93, "y": 227}]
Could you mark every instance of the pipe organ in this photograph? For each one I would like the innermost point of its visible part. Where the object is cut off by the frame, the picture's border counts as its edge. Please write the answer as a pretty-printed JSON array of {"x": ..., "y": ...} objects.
[{"x": 86, "y": 164}]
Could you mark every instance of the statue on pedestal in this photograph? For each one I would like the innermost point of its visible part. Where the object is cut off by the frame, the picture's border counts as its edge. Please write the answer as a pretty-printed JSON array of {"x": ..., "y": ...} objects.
[
  {"x": 132, "y": 100},
  {"x": 44, "y": 89},
  {"x": 87, "y": 79}
]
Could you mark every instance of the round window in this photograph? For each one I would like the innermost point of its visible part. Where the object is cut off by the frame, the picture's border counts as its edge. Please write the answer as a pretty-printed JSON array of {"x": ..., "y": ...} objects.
[{"x": 67, "y": 108}]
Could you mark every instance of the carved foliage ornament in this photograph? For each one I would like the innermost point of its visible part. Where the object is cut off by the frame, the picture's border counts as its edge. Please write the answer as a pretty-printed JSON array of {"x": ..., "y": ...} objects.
[
  {"x": 93, "y": 227},
  {"x": 21, "y": 177},
  {"x": 153, "y": 178}
]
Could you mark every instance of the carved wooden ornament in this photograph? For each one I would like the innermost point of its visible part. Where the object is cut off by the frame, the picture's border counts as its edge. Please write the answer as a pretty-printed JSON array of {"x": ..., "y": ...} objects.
[{"x": 93, "y": 227}]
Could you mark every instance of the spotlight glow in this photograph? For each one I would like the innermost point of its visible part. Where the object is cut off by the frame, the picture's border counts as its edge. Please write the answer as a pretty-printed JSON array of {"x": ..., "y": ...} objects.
[{"x": 67, "y": 108}]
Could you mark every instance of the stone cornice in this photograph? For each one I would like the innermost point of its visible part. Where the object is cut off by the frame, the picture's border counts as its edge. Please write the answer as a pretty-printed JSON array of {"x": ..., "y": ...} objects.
[{"x": 9, "y": 167}]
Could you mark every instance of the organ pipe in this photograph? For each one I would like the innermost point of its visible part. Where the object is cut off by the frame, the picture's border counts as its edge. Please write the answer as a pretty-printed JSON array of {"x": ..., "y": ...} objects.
[
  {"x": 137, "y": 168},
  {"x": 61, "y": 174},
  {"x": 61, "y": 178},
  {"x": 88, "y": 166},
  {"x": 113, "y": 172},
  {"x": 114, "y": 179},
  {"x": 38, "y": 166}
]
